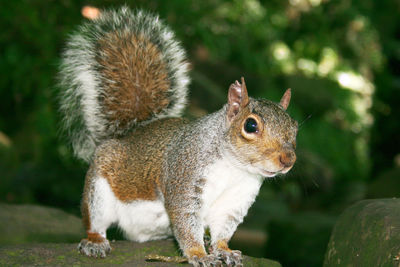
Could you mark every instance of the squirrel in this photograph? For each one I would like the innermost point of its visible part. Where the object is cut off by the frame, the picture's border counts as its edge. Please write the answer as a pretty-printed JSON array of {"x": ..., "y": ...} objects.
[{"x": 153, "y": 173}]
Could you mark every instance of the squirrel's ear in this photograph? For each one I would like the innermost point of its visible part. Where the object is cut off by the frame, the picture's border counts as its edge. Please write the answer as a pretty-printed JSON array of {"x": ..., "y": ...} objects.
[
  {"x": 237, "y": 98},
  {"x": 285, "y": 100}
]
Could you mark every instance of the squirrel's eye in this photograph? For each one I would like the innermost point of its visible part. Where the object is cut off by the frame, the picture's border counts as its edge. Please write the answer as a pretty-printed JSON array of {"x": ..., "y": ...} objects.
[{"x": 250, "y": 126}]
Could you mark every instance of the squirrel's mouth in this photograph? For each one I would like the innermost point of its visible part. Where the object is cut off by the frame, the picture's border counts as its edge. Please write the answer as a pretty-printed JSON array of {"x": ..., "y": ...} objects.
[{"x": 268, "y": 173}]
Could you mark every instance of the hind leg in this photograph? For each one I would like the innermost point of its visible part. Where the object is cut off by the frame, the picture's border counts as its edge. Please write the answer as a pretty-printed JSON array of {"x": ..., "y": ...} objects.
[{"x": 98, "y": 212}]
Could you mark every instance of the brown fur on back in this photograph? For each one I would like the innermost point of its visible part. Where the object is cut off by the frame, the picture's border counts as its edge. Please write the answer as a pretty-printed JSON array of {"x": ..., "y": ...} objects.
[{"x": 133, "y": 165}]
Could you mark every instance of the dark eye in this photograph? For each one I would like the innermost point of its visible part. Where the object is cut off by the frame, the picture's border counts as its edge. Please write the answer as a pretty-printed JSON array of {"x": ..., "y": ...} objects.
[{"x": 250, "y": 126}]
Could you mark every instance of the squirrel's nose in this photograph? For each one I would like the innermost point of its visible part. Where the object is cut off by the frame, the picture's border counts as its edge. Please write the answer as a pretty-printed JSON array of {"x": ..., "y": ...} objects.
[{"x": 287, "y": 158}]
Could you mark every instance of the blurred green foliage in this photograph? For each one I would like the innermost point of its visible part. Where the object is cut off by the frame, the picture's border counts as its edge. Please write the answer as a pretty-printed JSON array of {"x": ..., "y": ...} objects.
[{"x": 341, "y": 59}]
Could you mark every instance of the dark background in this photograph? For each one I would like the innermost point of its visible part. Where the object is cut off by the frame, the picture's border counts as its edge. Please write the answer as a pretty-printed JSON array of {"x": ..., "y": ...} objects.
[{"x": 341, "y": 59}]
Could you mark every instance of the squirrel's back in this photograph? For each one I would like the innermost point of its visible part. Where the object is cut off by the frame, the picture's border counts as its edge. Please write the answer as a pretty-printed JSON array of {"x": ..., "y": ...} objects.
[{"x": 118, "y": 70}]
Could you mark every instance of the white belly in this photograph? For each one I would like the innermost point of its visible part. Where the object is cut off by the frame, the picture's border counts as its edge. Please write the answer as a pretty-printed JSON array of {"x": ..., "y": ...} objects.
[{"x": 143, "y": 220}]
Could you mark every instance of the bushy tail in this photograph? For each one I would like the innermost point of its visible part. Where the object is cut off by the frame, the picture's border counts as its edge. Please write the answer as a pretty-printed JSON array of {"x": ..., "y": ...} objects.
[{"x": 123, "y": 68}]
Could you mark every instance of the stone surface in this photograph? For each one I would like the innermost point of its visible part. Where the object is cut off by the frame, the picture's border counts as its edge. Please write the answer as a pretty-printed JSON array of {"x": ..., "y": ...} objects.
[
  {"x": 366, "y": 234},
  {"x": 124, "y": 253},
  {"x": 21, "y": 224},
  {"x": 33, "y": 235}
]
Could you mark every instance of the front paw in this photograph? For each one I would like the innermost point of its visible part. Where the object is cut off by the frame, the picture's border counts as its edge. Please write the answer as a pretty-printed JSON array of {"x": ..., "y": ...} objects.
[
  {"x": 94, "y": 249},
  {"x": 205, "y": 261},
  {"x": 229, "y": 257}
]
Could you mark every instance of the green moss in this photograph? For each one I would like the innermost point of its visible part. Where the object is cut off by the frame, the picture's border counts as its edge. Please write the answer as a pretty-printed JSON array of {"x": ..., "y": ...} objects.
[
  {"x": 11, "y": 253},
  {"x": 257, "y": 262}
]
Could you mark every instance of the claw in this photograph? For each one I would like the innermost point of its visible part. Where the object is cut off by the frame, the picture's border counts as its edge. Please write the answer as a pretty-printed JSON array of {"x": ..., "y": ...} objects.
[
  {"x": 93, "y": 249},
  {"x": 206, "y": 261},
  {"x": 230, "y": 258}
]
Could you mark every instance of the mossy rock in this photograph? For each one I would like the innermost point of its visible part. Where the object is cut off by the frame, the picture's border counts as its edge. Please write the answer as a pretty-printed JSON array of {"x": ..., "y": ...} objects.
[
  {"x": 367, "y": 234},
  {"x": 32, "y": 235},
  {"x": 21, "y": 224},
  {"x": 124, "y": 253}
]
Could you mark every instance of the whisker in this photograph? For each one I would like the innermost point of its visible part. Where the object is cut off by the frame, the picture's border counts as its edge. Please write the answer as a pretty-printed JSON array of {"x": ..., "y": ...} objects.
[{"x": 306, "y": 119}]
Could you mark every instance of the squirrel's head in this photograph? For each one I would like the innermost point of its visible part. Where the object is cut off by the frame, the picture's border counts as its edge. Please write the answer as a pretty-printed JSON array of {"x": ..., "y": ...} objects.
[{"x": 261, "y": 135}]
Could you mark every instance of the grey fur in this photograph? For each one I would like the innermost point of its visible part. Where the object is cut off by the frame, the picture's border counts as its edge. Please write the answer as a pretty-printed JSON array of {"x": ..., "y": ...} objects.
[{"x": 196, "y": 146}]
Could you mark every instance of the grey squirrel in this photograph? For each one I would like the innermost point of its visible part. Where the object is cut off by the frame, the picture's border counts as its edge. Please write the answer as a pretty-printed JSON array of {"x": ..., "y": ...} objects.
[{"x": 151, "y": 172}]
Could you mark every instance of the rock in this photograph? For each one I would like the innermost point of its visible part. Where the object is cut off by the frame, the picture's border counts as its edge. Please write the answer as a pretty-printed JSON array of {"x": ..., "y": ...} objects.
[
  {"x": 124, "y": 253},
  {"x": 31, "y": 223},
  {"x": 366, "y": 234},
  {"x": 32, "y": 235}
]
